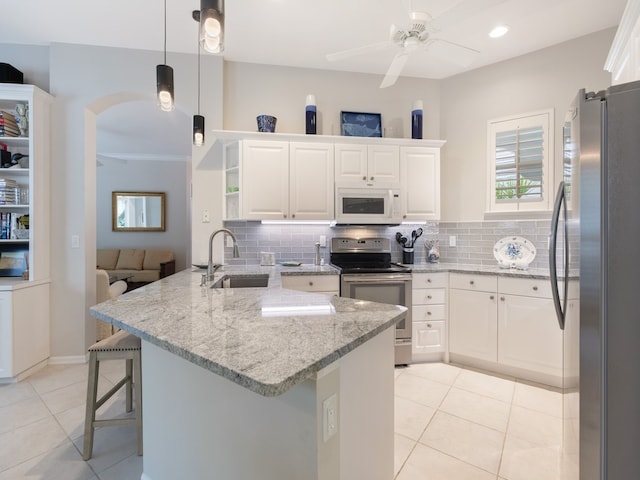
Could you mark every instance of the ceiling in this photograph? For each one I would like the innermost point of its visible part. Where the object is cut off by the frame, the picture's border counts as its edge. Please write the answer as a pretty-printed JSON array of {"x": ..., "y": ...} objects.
[{"x": 301, "y": 32}]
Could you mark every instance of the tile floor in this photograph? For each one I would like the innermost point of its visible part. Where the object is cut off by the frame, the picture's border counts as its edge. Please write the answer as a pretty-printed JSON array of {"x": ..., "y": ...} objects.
[{"x": 451, "y": 424}]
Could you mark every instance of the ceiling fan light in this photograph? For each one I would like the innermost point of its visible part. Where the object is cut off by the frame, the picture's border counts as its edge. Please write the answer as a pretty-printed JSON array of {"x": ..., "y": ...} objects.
[
  {"x": 198, "y": 130},
  {"x": 499, "y": 31},
  {"x": 164, "y": 81}
]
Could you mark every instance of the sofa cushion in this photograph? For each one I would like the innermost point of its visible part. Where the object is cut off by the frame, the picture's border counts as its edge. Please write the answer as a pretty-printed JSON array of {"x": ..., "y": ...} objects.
[
  {"x": 153, "y": 258},
  {"x": 107, "y": 258},
  {"x": 130, "y": 259}
]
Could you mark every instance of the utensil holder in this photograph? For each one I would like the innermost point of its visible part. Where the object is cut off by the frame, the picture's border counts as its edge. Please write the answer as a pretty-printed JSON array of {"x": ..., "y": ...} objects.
[{"x": 407, "y": 255}]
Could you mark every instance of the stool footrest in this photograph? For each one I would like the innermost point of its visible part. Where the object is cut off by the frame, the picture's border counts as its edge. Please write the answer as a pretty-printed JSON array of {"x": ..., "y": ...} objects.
[{"x": 114, "y": 421}]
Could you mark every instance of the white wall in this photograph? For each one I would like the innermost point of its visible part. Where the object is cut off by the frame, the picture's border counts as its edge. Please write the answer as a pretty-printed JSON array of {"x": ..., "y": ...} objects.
[
  {"x": 145, "y": 176},
  {"x": 548, "y": 78},
  {"x": 252, "y": 89},
  {"x": 83, "y": 76}
]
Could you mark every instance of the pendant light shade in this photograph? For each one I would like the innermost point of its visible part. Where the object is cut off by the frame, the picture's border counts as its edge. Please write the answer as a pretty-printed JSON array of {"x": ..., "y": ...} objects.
[
  {"x": 198, "y": 130},
  {"x": 164, "y": 77},
  {"x": 212, "y": 25}
]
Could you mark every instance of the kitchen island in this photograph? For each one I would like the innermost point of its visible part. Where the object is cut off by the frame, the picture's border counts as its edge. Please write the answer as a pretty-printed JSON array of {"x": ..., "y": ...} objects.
[{"x": 261, "y": 383}]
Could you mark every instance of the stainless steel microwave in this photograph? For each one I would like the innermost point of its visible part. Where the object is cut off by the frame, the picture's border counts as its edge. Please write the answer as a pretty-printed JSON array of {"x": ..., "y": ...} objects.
[{"x": 359, "y": 204}]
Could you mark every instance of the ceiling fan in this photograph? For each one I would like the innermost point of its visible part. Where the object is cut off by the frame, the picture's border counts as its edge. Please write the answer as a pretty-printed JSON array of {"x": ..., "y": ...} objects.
[{"x": 419, "y": 36}]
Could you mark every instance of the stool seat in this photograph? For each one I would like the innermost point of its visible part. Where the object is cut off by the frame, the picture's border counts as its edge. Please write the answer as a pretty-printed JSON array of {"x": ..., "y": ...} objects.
[{"x": 124, "y": 346}]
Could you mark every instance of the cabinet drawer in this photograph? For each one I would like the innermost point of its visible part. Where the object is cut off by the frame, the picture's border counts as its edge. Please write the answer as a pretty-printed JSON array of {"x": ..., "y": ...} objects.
[
  {"x": 429, "y": 337},
  {"x": 481, "y": 283},
  {"x": 429, "y": 280},
  {"x": 428, "y": 312},
  {"x": 529, "y": 287},
  {"x": 429, "y": 296},
  {"x": 312, "y": 283}
]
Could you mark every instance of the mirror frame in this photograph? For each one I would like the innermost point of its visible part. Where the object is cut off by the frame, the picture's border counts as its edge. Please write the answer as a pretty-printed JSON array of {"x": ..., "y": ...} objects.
[{"x": 114, "y": 211}]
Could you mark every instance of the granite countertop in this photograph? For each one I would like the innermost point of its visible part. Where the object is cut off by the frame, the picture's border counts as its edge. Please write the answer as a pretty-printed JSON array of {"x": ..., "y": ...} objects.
[
  {"x": 479, "y": 269},
  {"x": 264, "y": 339}
]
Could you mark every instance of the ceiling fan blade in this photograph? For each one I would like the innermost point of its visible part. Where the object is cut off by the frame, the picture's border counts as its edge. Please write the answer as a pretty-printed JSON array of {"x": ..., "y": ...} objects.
[
  {"x": 374, "y": 47},
  {"x": 462, "y": 11},
  {"x": 395, "y": 69},
  {"x": 451, "y": 51}
]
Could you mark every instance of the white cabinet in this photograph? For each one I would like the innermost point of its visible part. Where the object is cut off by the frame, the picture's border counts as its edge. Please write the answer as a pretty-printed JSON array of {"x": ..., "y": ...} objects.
[
  {"x": 507, "y": 325},
  {"x": 311, "y": 181},
  {"x": 24, "y": 330},
  {"x": 420, "y": 183},
  {"x": 623, "y": 60},
  {"x": 528, "y": 333},
  {"x": 367, "y": 164},
  {"x": 264, "y": 180},
  {"x": 472, "y": 316},
  {"x": 312, "y": 283},
  {"x": 24, "y": 300},
  {"x": 278, "y": 180},
  {"x": 429, "y": 316}
]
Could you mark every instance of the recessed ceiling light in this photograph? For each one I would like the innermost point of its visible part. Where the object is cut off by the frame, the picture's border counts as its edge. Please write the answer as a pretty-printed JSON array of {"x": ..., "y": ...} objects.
[{"x": 498, "y": 31}]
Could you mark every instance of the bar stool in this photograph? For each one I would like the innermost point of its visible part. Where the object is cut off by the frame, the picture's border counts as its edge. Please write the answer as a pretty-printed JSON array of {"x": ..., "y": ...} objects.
[{"x": 124, "y": 346}]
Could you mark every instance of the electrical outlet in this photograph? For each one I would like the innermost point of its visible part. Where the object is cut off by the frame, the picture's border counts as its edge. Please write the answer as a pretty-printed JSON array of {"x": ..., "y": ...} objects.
[
  {"x": 452, "y": 240},
  {"x": 205, "y": 216},
  {"x": 323, "y": 240},
  {"x": 330, "y": 417}
]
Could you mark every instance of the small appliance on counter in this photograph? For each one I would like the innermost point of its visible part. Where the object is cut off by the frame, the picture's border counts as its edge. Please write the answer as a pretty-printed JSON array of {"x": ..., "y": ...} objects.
[{"x": 407, "y": 245}]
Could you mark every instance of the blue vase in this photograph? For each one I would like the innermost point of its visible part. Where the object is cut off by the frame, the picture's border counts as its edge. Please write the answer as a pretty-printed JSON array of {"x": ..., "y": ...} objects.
[
  {"x": 310, "y": 113},
  {"x": 416, "y": 120}
]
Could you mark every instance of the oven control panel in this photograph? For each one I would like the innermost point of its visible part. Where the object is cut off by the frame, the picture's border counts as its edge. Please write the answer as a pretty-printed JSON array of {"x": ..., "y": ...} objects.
[{"x": 372, "y": 244}]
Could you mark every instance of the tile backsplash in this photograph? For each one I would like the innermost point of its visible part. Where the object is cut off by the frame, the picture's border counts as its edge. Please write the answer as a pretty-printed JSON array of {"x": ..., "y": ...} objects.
[{"x": 474, "y": 240}]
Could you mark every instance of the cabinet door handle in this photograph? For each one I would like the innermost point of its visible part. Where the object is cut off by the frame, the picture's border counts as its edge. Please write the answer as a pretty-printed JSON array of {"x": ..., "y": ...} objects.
[
  {"x": 428, "y": 280},
  {"x": 535, "y": 288},
  {"x": 293, "y": 216},
  {"x": 364, "y": 178},
  {"x": 491, "y": 297},
  {"x": 429, "y": 297},
  {"x": 285, "y": 215},
  {"x": 502, "y": 299},
  {"x": 371, "y": 178},
  {"x": 471, "y": 282},
  {"x": 428, "y": 313},
  {"x": 311, "y": 284},
  {"x": 428, "y": 325}
]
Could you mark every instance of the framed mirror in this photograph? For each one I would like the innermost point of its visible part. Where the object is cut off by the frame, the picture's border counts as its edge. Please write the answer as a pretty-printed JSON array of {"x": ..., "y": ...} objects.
[{"x": 138, "y": 211}]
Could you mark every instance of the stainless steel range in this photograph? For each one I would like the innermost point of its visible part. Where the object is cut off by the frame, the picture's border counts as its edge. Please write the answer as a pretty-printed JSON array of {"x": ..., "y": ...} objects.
[{"x": 366, "y": 273}]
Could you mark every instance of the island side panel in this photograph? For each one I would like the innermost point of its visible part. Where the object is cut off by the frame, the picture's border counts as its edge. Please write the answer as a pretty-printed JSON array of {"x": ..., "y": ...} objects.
[
  {"x": 200, "y": 425},
  {"x": 367, "y": 410}
]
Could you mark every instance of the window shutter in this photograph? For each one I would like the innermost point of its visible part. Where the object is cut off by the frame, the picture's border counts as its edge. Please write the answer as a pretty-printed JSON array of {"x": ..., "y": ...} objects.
[{"x": 519, "y": 164}]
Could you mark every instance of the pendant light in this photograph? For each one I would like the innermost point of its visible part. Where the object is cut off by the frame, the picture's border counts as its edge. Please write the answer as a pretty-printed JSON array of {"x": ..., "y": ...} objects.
[
  {"x": 212, "y": 25},
  {"x": 164, "y": 75},
  {"x": 198, "y": 120}
]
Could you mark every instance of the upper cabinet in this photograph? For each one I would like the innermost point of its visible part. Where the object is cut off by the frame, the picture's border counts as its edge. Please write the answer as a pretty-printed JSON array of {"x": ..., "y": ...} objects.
[
  {"x": 367, "y": 164},
  {"x": 292, "y": 177},
  {"x": 624, "y": 56},
  {"x": 24, "y": 182},
  {"x": 420, "y": 180},
  {"x": 276, "y": 180}
]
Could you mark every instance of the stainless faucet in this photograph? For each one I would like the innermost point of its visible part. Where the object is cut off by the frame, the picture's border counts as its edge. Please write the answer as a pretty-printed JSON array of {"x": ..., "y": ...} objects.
[{"x": 211, "y": 268}]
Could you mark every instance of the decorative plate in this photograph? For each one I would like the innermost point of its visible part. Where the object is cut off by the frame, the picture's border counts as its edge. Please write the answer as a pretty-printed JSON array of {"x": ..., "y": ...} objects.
[{"x": 514, "y": 252}]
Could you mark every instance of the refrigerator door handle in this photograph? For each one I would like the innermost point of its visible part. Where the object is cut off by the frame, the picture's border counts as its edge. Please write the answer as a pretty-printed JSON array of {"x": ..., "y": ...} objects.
[{"x": 561, "y": 307}]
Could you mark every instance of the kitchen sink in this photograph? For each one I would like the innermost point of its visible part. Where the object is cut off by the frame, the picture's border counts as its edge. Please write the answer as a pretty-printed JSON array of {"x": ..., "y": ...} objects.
[{"x": 243, "y": 281}]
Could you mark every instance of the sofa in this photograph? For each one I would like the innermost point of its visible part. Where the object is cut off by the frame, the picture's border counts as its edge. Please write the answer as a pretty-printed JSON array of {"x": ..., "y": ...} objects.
[{"x": 144, "y": 265}]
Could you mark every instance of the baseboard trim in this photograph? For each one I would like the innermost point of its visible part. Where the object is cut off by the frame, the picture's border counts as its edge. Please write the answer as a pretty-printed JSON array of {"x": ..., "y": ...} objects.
[{"x": 68, "y": 359}]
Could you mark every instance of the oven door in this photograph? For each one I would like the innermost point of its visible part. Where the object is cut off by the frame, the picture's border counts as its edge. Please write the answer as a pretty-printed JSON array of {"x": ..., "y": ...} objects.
[{"x": 391, "y": 288}]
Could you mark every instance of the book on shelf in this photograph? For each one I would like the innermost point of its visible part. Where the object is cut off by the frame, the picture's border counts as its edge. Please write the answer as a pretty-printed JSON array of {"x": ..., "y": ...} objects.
[
  {"x": 8, "y": 132},
  {"x": 7, "y": 122}
]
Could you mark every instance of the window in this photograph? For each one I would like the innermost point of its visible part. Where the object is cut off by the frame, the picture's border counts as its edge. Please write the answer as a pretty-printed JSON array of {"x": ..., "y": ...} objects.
[{"x": 520, "y": 154}]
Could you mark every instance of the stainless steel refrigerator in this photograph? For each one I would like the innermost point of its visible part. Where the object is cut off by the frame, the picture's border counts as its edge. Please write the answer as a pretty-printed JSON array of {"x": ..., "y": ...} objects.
[{"x": 596, "y": 232}]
